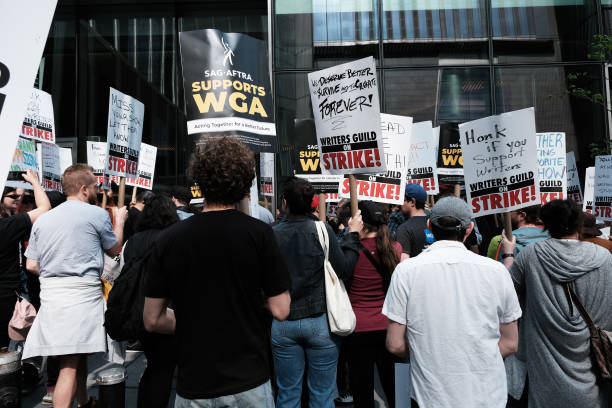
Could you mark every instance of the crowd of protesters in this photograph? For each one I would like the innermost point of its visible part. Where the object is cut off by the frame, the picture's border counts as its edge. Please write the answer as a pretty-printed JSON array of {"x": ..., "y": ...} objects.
[{"x": 235, "y": 305}]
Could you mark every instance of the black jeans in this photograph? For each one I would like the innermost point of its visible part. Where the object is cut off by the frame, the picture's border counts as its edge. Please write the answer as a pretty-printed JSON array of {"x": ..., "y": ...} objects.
[
  {"x": 365, "y": 350},
  {"x": 7, "y": 307},
  {"x": 156, "y": 381}
]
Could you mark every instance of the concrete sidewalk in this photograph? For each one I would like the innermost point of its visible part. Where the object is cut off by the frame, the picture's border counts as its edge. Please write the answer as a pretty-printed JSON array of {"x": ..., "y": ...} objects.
[{"x": 135, "y": 365}]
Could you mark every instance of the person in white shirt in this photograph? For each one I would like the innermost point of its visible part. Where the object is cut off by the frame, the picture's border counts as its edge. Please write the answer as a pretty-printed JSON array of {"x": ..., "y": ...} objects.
[{"x": 454, "y": 313}]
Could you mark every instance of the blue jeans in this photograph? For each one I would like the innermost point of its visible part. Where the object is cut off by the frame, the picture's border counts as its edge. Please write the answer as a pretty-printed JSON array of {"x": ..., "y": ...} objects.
[
  {"x": 258, "y": 397},
  {"x": 293, "y": 343}
]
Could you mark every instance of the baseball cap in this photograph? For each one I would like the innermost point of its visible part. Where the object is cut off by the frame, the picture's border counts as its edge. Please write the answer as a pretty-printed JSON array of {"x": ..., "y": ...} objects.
[
  {"x": 417, "y": 192},
  {"x": 451, "y": 207},
  {"x": 372, "y": 213}
]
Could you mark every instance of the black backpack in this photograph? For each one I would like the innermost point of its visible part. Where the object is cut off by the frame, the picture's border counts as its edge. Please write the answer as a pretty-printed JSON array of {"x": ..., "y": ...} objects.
[{"x": 123, "y": 317}]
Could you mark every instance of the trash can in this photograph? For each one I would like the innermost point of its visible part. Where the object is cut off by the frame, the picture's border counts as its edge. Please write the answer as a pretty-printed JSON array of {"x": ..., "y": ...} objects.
[
  {"x": 10, "y": 379},
  {"x": 111, "y": 386}
]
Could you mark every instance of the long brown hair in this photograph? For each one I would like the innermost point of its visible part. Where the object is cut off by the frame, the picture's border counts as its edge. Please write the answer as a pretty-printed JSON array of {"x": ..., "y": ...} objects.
[{"x": 374, "y": 217}]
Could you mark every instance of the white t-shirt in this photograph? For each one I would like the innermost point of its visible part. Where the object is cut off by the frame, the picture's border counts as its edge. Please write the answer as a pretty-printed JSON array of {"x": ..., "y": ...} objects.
[{"x": 452, "y": 302}]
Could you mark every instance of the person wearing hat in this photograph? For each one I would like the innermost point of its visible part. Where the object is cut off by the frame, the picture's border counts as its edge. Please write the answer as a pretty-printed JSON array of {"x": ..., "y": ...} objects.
[
  {"x": 413, "y": 235},
  {"x": 378, "y": 258},
  {"x": 590, "y": 232},
  {"x": 455, "y": 313}
]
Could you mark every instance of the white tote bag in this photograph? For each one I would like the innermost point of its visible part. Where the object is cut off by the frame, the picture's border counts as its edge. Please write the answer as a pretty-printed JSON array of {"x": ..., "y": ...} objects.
[{"x": 340, "y": 313}]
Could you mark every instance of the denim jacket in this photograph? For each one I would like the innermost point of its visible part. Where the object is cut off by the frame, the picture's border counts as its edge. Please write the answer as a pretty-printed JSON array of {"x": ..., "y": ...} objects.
[{"x": 299, "y": 244}]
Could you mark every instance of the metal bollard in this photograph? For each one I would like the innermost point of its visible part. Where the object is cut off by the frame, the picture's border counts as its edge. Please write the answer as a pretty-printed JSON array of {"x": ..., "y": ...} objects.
[
  {"x": 10, "y": 379},
  {"x": 111, "y": 385}
]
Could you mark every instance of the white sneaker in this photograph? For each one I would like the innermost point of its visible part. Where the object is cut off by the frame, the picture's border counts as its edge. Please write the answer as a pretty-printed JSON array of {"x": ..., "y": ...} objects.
[
  {"x": 344, "y": 399},
  {"x": 47, "y": 399}
]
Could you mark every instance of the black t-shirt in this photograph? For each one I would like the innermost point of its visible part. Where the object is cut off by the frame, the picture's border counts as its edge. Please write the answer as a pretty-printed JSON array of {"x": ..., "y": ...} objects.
[
  {"x": 414, "y": 235},
  {"x": 217, "y": 267},
  {"x": 12, "y": 230}
]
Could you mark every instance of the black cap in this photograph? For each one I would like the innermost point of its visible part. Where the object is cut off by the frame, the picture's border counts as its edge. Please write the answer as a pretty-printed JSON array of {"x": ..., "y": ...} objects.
[{"x": 372, "y": 213}]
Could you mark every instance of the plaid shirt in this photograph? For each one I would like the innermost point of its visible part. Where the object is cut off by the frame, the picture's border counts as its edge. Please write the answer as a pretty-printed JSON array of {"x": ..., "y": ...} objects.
[{"x": 395, "y": 220}]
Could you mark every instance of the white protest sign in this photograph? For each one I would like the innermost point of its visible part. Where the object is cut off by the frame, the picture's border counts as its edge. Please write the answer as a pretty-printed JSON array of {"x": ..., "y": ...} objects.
[
  {"x": 24, "y": 159},
  {"x": 499, "y": 162},
  {"x": 347, "y": 118},
  {"x": 254, "y": 201},
  {"x": 65, "y": 158},
  {"x": 589, "y": 190},
  {"x": 124, "y": 134},
  {"x": 23, "y": 44},
  {"x": 602, "y": 206},
  {"x": 386, "y": 187},
  {"x": 574, "y": 190},
  {"x": 96, "y": 158},
  {"x": 423, "y": 156},
  {"x": 266, "y": 162},
  {"x": 146, "y": 167},
  {"x": 50, "y": 166},
  {"x": 39, "y": 123},
  {"x": 552, "y": 166}
]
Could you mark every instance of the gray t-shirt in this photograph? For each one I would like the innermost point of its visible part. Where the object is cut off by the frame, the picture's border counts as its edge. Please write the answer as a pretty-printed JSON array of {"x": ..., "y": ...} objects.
[{"x": 69, "y": 240}]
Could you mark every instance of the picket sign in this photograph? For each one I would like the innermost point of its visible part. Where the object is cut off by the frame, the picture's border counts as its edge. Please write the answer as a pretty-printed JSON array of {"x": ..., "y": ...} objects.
[
  {"x": 500, "y": 164},
  {"x": 422, "y": 157},
  {"x": 50, "y": 166},
  {"x": 24, "y": 159},
  {"x": 589, "y": 190},
  {"x": 123, "y": 138},
  {"x": 574, "y": 190},
  {"x": 552, "y": 166},
  {"x": 20, "y": 54},
  {"x": 266, "y": 171},
  {"x": 602, "y": 191},
  {"x": 347, "y": 118},
  {"x": 386, "y": 187},
  {"x": 146, "y": 168},
  {"x": 39, "y": 123}
]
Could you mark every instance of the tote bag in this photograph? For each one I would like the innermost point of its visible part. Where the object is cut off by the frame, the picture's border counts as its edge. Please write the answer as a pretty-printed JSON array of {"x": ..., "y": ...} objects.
[{"x": 340, "y": 313}]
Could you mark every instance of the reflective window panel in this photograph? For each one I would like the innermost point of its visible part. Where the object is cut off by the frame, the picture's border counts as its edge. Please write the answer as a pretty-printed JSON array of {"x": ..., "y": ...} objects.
[{"x": 436, "y": 32}]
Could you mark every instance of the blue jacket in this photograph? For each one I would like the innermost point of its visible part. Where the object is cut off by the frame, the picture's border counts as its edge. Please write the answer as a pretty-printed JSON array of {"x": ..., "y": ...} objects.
[{"x": 299, "y": 244}]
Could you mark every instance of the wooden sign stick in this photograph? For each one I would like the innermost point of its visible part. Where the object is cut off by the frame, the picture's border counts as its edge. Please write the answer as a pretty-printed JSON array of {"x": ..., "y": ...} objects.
[
  {"x": 121, "y": 198},
  {"x": 457, "y": 190},
  {"x": 353, "y": 187},
  {"x": 134, "y": 192},
  {"x": 507, "y": 225},
  {"x": 104, "y": 199},
  {"x": 322, "y": 207}
]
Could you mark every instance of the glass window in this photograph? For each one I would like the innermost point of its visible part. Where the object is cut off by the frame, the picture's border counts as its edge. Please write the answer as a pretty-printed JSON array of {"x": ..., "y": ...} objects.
[
  {"x": 57, "y": 72},
  {"x": 544, "y": 88},
  {"x": 321, "y": 33},
  {"x": 440, "y": 95},
  {"x": 542, "y": 30},
  {"x": 437, "y": 32}
]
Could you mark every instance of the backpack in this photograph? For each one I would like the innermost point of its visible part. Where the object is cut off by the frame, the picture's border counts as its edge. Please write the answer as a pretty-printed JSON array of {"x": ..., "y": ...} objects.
[{"x": 123, "y": 317}]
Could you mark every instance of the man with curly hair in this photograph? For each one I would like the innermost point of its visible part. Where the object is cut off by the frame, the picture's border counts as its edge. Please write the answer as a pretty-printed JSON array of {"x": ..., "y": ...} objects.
[{"x": 221, "y": 269}]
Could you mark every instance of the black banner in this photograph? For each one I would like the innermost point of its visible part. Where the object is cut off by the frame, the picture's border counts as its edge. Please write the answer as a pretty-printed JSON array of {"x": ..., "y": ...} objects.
[
  {"x": 227, "y": 88},
  {"x": 450, "y": 159},
  {"x": 307, "y": 163}
]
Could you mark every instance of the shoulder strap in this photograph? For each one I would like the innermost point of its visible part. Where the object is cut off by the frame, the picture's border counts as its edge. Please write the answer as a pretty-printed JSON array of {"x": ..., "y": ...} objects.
[
  {"x": 379, "y": 268},
  {"x": 323, "y": 237},
  {"x": 369, "y": 255},
  {"x": 572, "y": 298}
]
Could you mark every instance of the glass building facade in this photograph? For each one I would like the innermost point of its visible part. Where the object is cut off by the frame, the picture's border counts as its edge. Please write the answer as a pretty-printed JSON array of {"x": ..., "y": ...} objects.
[{"x": 439, "y": 60}]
